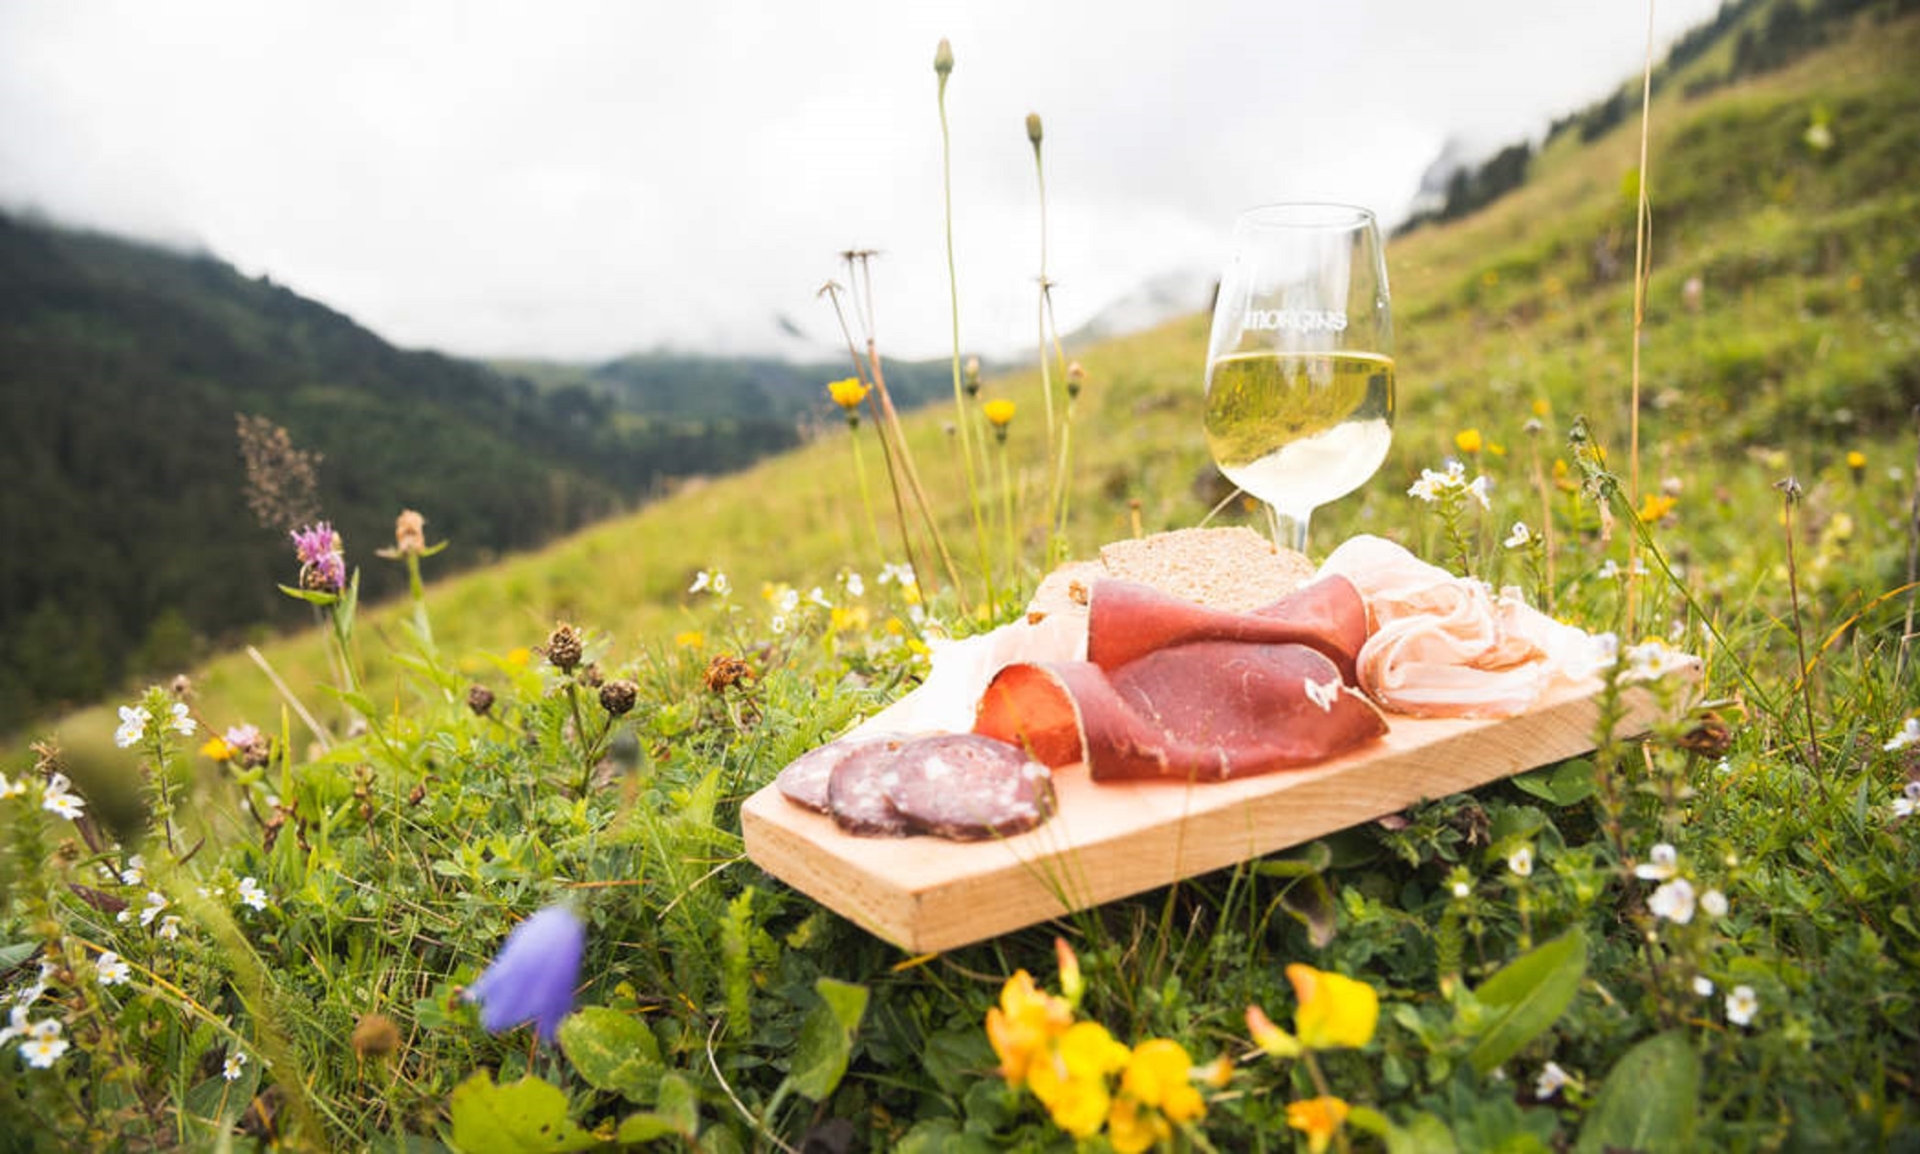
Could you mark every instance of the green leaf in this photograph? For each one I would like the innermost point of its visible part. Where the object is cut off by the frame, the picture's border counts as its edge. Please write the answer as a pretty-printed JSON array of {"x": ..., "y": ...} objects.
[
  {"x": 311, "y": 596},
  {"x": 1525, "y": 997},
  {"x": 613, "y": 1051},
  {"x": 1649, "y": 1100},
  {"x": 521, "y": 1117},
  {"x": 826, "y": 1038},
  {"x": 1569, "y": 783},
  {"x": 16, "y": 954},
  {"x": 1423, "y": 1134}
]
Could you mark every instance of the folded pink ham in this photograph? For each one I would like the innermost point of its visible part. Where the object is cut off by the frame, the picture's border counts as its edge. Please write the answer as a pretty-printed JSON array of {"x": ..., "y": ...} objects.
[
  {"x": 1173, "y": 689},
  {"x": 1446, "y": 646}
]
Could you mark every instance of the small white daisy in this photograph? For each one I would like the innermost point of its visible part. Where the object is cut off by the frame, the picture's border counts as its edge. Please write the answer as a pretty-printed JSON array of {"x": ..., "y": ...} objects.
[
  {"x": 252, "y": 894},
  {"x": 113, "y": 969},
  {"x": 1673, "y": 901},
  {"x": 136, "y": 871},
  {"x": 1742, "y": 1005},
  {"x": 230, "y": 1069},
  {"x": 151, "y": 910},
  {"x": 42, "y": 1052},
  {"x": 169, "y": 930},
  {"x": 133, "y": 725},
  {"x": 1660, "y": 865},
  {"x": 180, "y": 723},
  {"x": 1520, "y": 861},
  {"x": 66, "y": 805}
]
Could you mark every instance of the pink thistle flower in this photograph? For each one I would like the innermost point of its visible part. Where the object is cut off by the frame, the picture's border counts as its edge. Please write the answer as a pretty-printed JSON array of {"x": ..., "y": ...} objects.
[{"x": 323, "y": 562}]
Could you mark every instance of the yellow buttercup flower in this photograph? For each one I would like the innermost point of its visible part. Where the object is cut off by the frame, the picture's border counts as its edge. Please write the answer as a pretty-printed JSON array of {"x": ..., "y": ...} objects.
[
  {"x": 1468, "y": 441},
  {"x": 848, "y": 393},
  {"x": 1318, "y": 1118},
  {"x": 1335, "y": 1010}
]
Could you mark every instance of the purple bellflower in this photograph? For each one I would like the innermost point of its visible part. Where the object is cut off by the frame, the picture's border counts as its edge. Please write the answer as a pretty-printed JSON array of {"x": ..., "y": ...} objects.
[
  {"x": 532, "y": 977},
  {"x": 323, "y": 562}
]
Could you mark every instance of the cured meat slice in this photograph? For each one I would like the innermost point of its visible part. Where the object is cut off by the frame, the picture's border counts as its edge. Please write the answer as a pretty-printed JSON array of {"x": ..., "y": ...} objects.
[
  {"x": 804, "y": 780},
  {"x": 1203, "y": 711},
  {"x": 1128, "y": 621},
  {"x": 967, "y": 787},
  {"x": 857, "y": 792}
]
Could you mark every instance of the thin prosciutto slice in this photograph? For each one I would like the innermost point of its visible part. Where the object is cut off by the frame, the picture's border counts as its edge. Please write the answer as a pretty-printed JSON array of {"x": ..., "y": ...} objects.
[
  {"x": 1176, "y": 690},
  {"x": 1446, "y": 646}
]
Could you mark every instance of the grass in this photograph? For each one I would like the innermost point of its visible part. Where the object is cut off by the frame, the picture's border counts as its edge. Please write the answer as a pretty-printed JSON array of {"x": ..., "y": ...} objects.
[{"x": 722, "y": 1009}]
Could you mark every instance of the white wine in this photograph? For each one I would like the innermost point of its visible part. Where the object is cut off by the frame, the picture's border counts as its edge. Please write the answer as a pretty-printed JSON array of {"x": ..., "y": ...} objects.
[{"x": 1299, "y": 429}]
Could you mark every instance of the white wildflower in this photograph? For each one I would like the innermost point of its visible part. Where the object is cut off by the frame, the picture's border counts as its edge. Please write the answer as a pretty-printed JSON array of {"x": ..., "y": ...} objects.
[
  {"x": 1908, "y": 801},
  {"x": 711, "y": 581},
  {"x": 854, "y": 586},
  {"x": 136, "y": 871},
  {"x": 1461, "y": 889},
  {"x": 1551, "y": 1078},
  {"x": 1673, "y": 901},
  {"x": 1663, "y": 863},
  {"x": 1478, "y": 491},
  {"x": 230, "y": 1069},
  {"x": 1742, "y": 1005},
  {"x": 818, "y": 597},
  {"x": 169, "y": 930},
  {"x": 133, "y": 725},
  {"x": 16, "y": 1026},
  {"x": 252, "y": 894},
  {"x": 778, "y": 624},
  {"x": 44, "y": 1050},
  {"x": 1520, "y": 861},
  {"x": 1654, "y": 659},
  {"x": 55, "y": 799},
  {"x": 1909, "y": 735},
  {"x": 1714, "y": 904},
  {"x": 11, "y": 787},
  {"x": 155, "y": 903},
  {"x": 1703, "y": 985},
  {"x": 787, "y": 601},
  {"x": 180, "y": 723},
  {"x": 113, "y": 969},
  {"x": 1518, "y": 539}
]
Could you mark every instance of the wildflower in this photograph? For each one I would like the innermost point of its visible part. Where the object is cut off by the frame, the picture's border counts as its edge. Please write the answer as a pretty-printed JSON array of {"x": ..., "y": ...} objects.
[
  {"x": 1159, "y": 1074},
  {"x": 1444, "y": 487},
  {"x": 1071, "y": 1081},
  {"x": 12, "y": 787},
  {"x": 1269, "y": 1037},
  {"x": 1468, "y": 441},
  {"x": 689, "y": 639},
  {"x": 155, "y": 902},
  {"x": 479, "y": 700},
  {"x": 1551, "y": 1079},
  {"x": 1461, "y": 888},
  {"x": 133, "y": 725},
  {"x": 1654, "y": 506},
  {"x": 1673, "y": 901},
  {"x": 57, "y": 798},
  {"x": 1319, "y": 1119},
  {"x": 1520, "y": 537},
  {"x": 531, "y": 979},
  {"x": 1857, "y": 465},
  {"x": 17, "y": 1025},
  {"x": 1908, "y": 801},
  {"x": 999, "y": 412},
  {"x": 1334, "y": 1010},
  {"x": 617, "y": 697},
  {"x": 1663, "y": 862},
  {"x": 1072, "y": 985},
  {"x": 44, "y": 1045},
  {"x": 136, "y": 871},
  {"x": 1909, "y": 735},
  {"x": 711, "y": 581},
  {"x": 1024, "y": 1024},
  {"x": 409, "y": 536},
  {"x": 853, "y": 584},
  {"x": 323, "y": 562},
  {"x": 218, "y": 748},
  {"x": 1653, "y": 659},
  {"x": 1703, "y": 985},
  {"x": 251, "y": 894},
  {"x": 1323, "y": 695},
  {"x": 230, "y": 1069},
  {"x": 973, "y": 376},
  {"x": 848, "y": 394},
  {"x": 169, "y": 930},
  {"x": 1520, "y": 861},
  {"x": 1714, "y": 904},
  {"x": 1076, "y": 379},
  {"x": 725, "y": 671},
  {"x": 1133, "y": 1128},
  {"x": 112, "y": 970},
  {"x": 1742, "y": 1005}
]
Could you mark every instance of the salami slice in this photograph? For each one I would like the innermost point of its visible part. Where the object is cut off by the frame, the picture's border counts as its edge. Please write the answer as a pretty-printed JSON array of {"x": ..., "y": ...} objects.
[
  {"x": 857, "y": 792},
  {"x": 968, "y": 787},
  {"x": 804, "y": 781}
]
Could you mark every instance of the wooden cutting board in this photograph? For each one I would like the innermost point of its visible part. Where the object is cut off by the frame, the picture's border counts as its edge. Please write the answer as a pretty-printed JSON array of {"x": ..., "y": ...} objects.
[{"x": 1111, "y": 840}]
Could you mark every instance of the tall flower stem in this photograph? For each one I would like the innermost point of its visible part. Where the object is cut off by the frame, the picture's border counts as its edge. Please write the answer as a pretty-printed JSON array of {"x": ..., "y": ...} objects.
[
  {"x": 943, "y": 68},
  {"x": 866, "y": 497}
]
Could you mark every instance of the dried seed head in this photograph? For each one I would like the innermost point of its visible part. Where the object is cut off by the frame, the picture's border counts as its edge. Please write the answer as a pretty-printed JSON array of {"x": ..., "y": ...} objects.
[
  {"x": 564, "y": 647},
  {"x": 480, "y": 700},
  {"x": 973, "y": 376},
  {"x": 591, "y": 676},
  {"x": 726, "y": 670},
  {"x": 409, "y": 533},
  {"x": 182, "y": 686},
  {"x": 943, "y": 58},
  {"x": 1033, "y": 128},
  {"x": 617, "y": 697},
  {"x": 375, "y": 1036},
  {"x": 1076, "y": 379}
]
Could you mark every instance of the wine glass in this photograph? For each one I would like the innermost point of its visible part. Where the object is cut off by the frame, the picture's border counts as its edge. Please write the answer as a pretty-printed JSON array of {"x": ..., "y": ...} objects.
[{"x": 1299, "y": 404}]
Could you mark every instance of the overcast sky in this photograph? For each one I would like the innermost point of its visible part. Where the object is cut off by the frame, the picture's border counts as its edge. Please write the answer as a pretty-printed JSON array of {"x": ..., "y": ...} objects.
[{"x": 577, "y": 180}]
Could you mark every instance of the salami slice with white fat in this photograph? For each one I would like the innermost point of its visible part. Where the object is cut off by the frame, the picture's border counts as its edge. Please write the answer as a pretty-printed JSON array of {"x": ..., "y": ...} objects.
[
  {"x": 968, "y": 787},
  {"x": 857, "y": 792},
  {"x": 804, "y": 781}
]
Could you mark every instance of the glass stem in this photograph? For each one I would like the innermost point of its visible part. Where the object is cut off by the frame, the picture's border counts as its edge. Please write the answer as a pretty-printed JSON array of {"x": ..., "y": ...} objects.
[{"x": 1290, "y": 529}]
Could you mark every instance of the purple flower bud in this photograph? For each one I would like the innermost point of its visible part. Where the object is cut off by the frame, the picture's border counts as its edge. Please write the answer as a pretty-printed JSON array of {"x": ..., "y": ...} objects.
[{"x": 532, "y": 977}]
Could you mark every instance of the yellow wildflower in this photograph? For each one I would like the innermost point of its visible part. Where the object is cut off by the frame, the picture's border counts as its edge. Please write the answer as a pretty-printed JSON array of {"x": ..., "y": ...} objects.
[
  {"x": 1269, "y": 1037},
  {"x": 1335, "y": 1010},
  {"x": 998, "y": 412},
  {"x": 1468, "y": 441},
  {"x": 1857, "y": 465},
  {"x": 1132, "y": 1129},
  {"x": 218, "y": 749},
  {"x": 519, "y": 655},
  {"x": 1318, "y": 1118},
  {"x": 1072, "y": 1080},
  {"x": 1159, "y": 1074},
  {"x": 848, "y": 393},
  {"x": 895, "y": 626},
  {"x": 1023, "y": 1024},
  {"x": 1071, "y": 983},
  {"x": 689, "y": 639},
  {"x": 1563, "y": 476},
  {"x": 1541, "y": 408},
  {"x": 1654, "y": 506},
  {"x": 849, "y": 620}
]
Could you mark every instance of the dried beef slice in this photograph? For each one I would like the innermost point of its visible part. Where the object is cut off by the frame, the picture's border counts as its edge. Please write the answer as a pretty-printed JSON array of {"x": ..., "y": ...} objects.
[
  {"x": 857, "y": 792},
  {"x": 804, "y": 781}
]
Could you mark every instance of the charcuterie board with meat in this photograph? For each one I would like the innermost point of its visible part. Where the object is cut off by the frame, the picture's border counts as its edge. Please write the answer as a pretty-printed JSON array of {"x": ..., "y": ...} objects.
[
  {"x": 1131, "y": 732},
  {"x": 1110, "y": 840}
]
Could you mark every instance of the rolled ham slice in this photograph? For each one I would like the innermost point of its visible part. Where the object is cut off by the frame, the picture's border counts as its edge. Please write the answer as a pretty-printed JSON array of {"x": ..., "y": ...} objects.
[{"x": 1446, "y": 646}]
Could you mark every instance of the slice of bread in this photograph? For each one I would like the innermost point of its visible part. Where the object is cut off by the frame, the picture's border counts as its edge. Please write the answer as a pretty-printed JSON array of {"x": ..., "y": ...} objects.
[{"x": 1233, "y": 568}]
